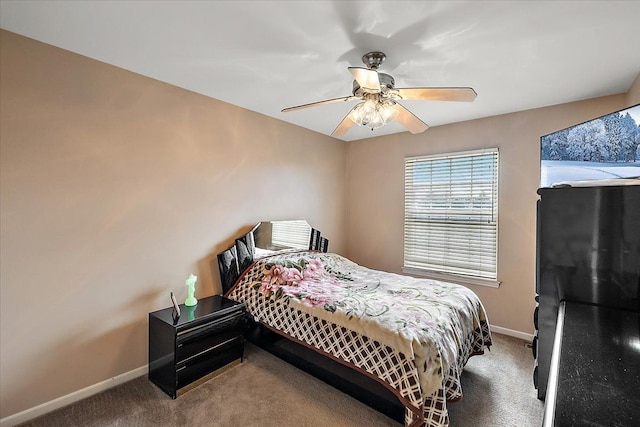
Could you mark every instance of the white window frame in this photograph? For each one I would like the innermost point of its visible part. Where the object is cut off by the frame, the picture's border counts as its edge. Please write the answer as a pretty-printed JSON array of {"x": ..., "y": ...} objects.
[{"x": 480, "y": 219}]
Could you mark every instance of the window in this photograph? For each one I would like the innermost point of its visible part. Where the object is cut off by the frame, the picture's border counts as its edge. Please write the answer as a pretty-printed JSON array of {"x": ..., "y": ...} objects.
[{"x": 451, "y": 216}]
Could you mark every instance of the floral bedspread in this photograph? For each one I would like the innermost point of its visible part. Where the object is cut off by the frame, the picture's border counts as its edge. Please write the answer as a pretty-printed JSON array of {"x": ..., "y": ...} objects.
[{"x": 428, "y": 321}]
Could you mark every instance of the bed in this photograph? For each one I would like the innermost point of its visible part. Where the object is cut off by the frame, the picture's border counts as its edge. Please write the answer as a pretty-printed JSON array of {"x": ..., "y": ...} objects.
[{"x": 395, "y": 342}]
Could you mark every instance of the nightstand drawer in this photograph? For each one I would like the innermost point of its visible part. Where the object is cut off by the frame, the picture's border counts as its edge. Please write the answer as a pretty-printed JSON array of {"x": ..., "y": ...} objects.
[
  {"x": 197, "y": 340},
  {"x": 207, "y": 328},
  {"x": 196, "y": 367}
]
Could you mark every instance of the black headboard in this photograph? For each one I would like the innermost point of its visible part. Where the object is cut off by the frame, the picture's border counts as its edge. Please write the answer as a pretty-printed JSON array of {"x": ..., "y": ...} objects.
[{"x": 267, "y": 236}]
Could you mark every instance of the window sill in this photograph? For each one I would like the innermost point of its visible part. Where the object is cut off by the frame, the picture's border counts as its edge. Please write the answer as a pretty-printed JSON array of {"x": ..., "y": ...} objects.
[{"x": 452, "y": 278}]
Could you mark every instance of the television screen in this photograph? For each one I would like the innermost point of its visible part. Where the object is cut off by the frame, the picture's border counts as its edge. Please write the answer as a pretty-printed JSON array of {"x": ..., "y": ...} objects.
[{"x": 605, "y": 148}]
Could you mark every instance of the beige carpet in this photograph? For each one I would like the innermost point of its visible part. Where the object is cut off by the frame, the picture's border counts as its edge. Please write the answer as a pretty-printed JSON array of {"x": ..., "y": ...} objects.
[{"x": 265, "y": 391}]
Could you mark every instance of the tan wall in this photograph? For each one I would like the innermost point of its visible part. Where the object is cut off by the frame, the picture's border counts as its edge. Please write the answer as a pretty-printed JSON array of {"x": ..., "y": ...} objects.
[
  {"x": 115, "y": 187},
  {"x": 633, "y": 96},
  {"x": 375, "y": 191}
]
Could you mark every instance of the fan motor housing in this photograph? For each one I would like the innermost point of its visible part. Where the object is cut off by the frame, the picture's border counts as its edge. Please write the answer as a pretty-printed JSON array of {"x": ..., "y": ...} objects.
[{"x": 386, "y": 82}]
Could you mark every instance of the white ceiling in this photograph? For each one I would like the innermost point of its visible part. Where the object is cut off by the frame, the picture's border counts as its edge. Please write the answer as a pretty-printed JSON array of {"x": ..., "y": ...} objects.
[{"x": 267, "y": 55}]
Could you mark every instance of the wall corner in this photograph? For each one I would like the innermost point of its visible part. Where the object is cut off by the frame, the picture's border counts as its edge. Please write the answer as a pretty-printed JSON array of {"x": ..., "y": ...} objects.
[{"x": 633, "y": 95}]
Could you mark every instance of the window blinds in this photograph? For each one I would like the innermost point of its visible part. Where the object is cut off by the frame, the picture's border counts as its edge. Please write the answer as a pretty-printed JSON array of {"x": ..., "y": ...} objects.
[{"x": 451, "y": 214}]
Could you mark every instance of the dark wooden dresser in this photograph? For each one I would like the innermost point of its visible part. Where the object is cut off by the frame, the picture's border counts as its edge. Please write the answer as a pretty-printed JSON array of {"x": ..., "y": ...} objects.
[{"x": 189, "y": 350}]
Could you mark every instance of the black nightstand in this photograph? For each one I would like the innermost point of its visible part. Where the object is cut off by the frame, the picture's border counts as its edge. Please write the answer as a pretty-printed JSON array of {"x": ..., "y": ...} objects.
[{"x": 188, "y": 351}]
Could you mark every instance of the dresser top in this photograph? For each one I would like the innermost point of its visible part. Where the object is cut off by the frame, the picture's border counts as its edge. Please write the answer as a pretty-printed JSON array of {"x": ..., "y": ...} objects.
[{"x": 599, "y": 374}]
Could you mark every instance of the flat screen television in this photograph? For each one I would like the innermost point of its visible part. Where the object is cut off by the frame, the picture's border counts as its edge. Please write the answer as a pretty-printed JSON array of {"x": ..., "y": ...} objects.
[{"x": 599, "y": 151}]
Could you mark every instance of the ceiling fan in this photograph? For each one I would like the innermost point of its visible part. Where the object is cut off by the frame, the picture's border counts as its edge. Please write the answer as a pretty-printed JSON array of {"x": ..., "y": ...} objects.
[{"x": 379, "y": 99}]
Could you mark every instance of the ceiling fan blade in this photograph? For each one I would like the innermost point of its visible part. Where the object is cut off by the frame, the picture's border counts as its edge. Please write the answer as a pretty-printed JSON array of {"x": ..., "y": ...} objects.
[
  {"x": 407, "y": 119},
  {"x": 344, "y": 125},
  {"x": 465, "y": 94},
  {"x": 366, "y": 78},
  {"x": 315, "y": 104}
]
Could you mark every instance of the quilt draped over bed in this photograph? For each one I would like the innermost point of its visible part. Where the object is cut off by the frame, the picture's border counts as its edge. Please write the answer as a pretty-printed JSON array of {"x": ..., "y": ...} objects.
[{"x": 415, "y": 335}]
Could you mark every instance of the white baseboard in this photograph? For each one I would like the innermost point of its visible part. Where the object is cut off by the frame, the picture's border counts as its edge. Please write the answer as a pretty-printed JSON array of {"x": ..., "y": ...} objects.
[
  {"x": 70, "y": 398},
  {"x": 512, "y": 333}
]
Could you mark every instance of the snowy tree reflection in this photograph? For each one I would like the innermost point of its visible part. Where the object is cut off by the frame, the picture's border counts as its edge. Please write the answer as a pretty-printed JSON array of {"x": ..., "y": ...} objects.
[{"x": 612, "y": 138}]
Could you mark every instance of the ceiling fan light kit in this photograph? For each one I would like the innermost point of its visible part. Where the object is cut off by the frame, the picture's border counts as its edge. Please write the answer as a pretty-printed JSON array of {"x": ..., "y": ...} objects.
[
  {"x": 373, "y": 113},
  {"x": 379, "y": 99}
]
